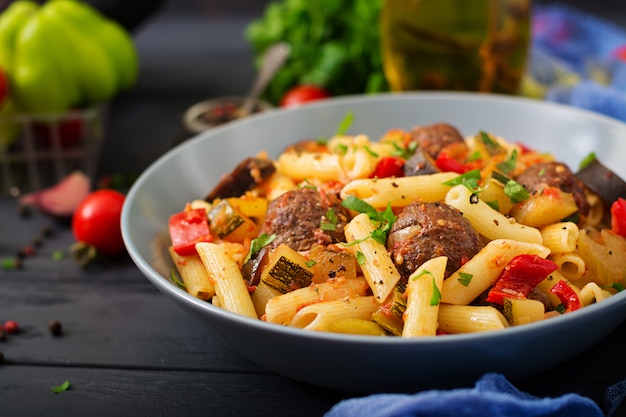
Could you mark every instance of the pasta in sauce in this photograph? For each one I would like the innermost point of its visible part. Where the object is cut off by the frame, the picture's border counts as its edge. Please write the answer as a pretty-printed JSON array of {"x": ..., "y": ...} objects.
[{"x": 418, "y": 233}]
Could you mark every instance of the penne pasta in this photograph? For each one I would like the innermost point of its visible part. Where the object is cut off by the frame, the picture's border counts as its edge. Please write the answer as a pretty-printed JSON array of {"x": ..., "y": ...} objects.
[
  {"x": 358, "y": 158},
  {"x": 604, "y": 254},
  {"x": 378, "y": 192},
  {"x": 194, "y": 275},
  {"x": 282, "y": 308},
  {"x": 470, "y": 319},
  {"x": 309, "y": 165},
  {"x": 229, "y": 283},
  {"x": 560, "y": 237},
  {"x": 487, "y": 221},
  {"x": 592, "y": 293},
  {"x": 262, "y": 294},
  {"x": 596, "y": 211},
  {"x": 378, "y": 268},
  {"x": 319, "y": 316},
  {"x": 570, "y": 264},
  {"x": 423, "y": 294},
  {"x": 480, "y": 272}
]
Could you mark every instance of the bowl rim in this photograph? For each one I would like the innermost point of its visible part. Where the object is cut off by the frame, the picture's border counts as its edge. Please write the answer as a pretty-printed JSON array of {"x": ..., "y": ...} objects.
[{"x": 166, "y": 286}]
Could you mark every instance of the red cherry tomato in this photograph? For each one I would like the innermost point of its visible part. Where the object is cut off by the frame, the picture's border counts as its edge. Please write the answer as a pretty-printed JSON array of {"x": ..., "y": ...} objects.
[
  {"x": 96, "y": 221},
  {"x": 11, "y": 326},
  {"x": 302, "y": 94}
]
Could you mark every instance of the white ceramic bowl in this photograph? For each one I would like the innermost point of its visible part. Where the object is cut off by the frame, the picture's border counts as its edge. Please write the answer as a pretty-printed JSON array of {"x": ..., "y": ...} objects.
[{"x": 361, "y": 363}]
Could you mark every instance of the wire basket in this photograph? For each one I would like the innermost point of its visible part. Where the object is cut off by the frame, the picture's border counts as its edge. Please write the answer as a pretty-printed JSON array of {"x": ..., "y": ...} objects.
[{"x": 38, "y": 150}]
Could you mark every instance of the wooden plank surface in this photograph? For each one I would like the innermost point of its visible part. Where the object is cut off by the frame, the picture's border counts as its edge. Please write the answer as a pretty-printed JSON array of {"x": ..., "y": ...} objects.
[
  {"x": 25, "y": 391},
  {"x": 128, "y": 350}
]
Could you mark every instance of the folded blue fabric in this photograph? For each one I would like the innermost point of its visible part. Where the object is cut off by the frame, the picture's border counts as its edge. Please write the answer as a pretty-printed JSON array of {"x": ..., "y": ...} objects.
[
  {"x": 574, "y": 37},
  {"x": 493, "y": 395},
  {"x": 591, "y": 96},
  {"x": 578, "y": 60}
]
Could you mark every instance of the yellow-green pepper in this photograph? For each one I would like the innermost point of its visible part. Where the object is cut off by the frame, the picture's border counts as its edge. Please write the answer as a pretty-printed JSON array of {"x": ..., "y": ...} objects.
[{"x": 64, "y": 54}]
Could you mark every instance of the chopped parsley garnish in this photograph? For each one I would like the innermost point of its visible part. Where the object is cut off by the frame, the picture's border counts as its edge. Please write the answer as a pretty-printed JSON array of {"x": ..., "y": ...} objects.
[
  {"x": 341, "y": 149},
  {"x": 509, "y": 164},
  {"x": 616, "y": 286},
  {"x": 174, "y": 278},
  {"x": 8, "y": 264},
  {"x": 321, "y": 140},
  {"x": 404, "y": 153},
  {"x": 491, "y": 145},
  {"x": 360, "y": 257},
  {"x": 379, "y": 235},
  {"x": 370, "y": 151},
  {"x": 331, "y": 223},
  {"x": 356, "y": 242},
  {"x": 422, "y": 273},
  {"x": 60, "y": 388},
  {"x": 384, "y": 219},
  {"x": 307, "y": 184},
  {"x": 354, "y": 203},
  {"x": 465, "y": 278},
  {"x": 257, "y": 244},
  {"x": 573, "y": 218},
  {"x": 310, "y": 263},
  {"x": 345, "y": 124},
  {"x": 516, "y": 191},
  {"x": 561, "y": 308},
  {"x": 587, "y": 160},
  {"x": 436, "y": 297},
  {"x": 494, "y": 204},
  {"x": 469, "y": 180},
  {"x": 474, "y": 156}
]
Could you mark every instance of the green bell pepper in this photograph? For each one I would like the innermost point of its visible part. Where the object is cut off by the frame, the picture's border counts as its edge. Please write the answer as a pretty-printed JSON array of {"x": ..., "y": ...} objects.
[{"x": 64, "y": 54}]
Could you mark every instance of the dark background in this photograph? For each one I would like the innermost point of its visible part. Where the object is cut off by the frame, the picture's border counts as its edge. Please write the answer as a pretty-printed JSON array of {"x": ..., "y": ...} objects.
[{"x": 193, "y": 50}]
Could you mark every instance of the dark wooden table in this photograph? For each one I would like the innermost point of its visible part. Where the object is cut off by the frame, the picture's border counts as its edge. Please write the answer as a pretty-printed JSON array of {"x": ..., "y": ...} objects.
[{"x": 127, "y": 350}]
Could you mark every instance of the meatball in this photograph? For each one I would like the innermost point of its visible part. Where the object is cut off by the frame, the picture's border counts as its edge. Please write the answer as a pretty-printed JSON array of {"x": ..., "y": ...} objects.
[
  {"x": 295, "y": 217},
  {"x": 426, "y": 230},
  {"x": 554, "y": 174},
  {"x": 433, "y": 138}
]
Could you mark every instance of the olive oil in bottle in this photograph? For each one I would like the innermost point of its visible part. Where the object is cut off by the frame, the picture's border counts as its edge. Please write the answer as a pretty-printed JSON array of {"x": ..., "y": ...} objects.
[{"x": 469, "y": 45}]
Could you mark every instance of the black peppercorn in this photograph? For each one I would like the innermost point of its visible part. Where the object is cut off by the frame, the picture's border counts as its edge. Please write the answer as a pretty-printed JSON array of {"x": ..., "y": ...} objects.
[{"x": 55, "y": 327}]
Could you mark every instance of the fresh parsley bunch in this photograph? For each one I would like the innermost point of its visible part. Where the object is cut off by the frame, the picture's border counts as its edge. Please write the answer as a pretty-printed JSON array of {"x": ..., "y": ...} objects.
[{"x": 334, "y": 44}]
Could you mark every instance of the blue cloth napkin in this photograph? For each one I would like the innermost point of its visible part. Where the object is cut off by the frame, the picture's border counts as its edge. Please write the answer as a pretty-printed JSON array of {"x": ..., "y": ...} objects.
[
  {"x": 579, "y": 60},
  {"x": 493, "y": 395}
]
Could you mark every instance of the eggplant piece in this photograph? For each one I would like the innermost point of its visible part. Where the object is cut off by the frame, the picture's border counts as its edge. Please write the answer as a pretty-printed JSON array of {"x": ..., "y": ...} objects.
[
  {"x": 254, "y": 267},
  {"x": 602, "y": 181},
  {"x": 421, "y": 163},
  {"x": 247, "y": 174}
]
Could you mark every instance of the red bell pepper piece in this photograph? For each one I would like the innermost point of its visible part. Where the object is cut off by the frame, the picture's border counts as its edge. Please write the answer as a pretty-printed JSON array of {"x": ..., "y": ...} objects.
[
  {"x": 389, "y": 166},
  {"x": 519, "y": 277},
  {"x": 618, "y": 217},
  {"x": 187, "y": 228},
  {"x": 447, "y": 163},
  {"x": 567, "y": 295}
]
